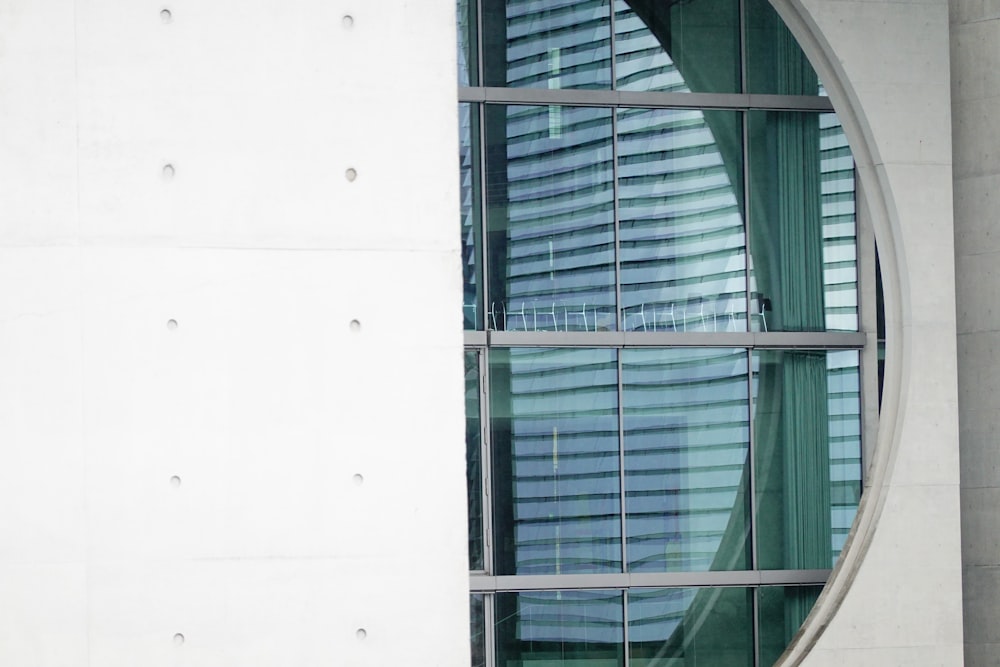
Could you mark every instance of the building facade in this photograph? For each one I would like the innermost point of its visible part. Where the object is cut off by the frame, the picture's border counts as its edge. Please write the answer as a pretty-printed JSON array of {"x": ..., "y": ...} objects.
[{"x": 235, "y": 426}]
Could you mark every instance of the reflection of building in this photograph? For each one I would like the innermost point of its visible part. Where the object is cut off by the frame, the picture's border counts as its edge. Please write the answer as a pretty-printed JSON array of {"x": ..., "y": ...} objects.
[
  {"x": 266, "y": 483},
  {"x": 718, "y": 433}
]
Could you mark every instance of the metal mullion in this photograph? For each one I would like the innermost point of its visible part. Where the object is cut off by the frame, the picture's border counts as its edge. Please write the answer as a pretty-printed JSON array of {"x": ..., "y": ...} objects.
[
  {"x": 744, "y": 68},
  {"x": 480, "y": 31},
  {"x": 621, "y": 462},
  {"x": 751, "y": 460},
  {"x": 619, "y": 315},
  {"x": 654, "y": 100},
  {"x": 776, "y": 340},
  {"x": 747, "y": 245},
  {"x": 489, "y": 620},
  {"x": 483, "y": 226},
  {"x": 864, "y": 239},
  {"x": 755, "y": 619},
  {"x": 611, "y": 46},
  {"x": 484, "y": 583},
  {"x": 486, "y": 467},
  {"x": 625, "y": 634}
]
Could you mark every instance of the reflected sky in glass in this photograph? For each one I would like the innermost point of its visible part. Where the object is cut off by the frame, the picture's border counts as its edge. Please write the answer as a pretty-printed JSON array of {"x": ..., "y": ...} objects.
[
  {"x": 554, "y": 423},
  {"x": 683, "y": 247},
  {"x": 687, "y": 440},
  {"x": 550, "y": 208}
]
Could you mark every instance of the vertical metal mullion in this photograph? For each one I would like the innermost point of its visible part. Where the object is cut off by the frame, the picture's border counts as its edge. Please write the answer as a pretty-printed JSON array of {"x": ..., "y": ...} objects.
[
  {"x": 747, "y": 245},
  {"x": 864, "y": 239},
  {"x": 486, "y": 452},
  {"x": 755, "y": 610},
  {"x": 489, "y": 620},
  {"x": 619, "y": 314},
  {"x": 744, "y": 69},
  {"x": 480, "y": 70},
  {"x": 621, "y": 461},
  {"x": 483, "y": 255},
  {"x": 627, "y": 653},
  {"x": 611, "y": 45},
  {"x": 751, "y": 459}
]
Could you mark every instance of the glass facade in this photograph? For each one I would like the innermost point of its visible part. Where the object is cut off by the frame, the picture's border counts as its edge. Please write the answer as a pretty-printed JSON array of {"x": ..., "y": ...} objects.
[{"x": 663, "y": 340}]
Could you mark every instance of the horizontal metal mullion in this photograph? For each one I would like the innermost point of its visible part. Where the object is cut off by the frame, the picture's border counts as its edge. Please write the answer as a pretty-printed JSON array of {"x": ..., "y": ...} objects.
[
  {"x": 821, "y": 340},
  {"x": 475, "y": 338},
  {"x": 815, "y": 340},
  {"x": 489, "y": 584},
  {"x": 615, "y": 98},
  {"x": 556, "y": 338},
  {"x": 790, "y": 102},
  {"x": 793, "y": 577}
]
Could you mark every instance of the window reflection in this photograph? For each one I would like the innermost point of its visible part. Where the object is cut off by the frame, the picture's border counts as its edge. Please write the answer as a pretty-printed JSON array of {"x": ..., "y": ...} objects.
[
  {"x": 689, "y": 627},
  {"x": 550, "y": 207},
  {"x": 807, "y": 424},
  {"x": 554, "y": 421},
  {"x": 555, "y": 44},
  {"x": 561, "y": 628},
  {"x": 686, "y": 418},
  {"x": 680, "y": 190},
  {"x": 671, "y": 46}
]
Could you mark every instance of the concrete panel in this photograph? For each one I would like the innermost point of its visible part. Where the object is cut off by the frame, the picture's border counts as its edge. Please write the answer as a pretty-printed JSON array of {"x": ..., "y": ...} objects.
[
  {"x": 38, "y": 129},
  {"x": 903, "y": 656},
  {"x": 199, "y": 327},
  {"x": 981, "y": 584},
  {"x": 974, "y": 125},
  {"x": 980, "y": 527},
  {"x": 974, "y": 10},
  {"x": 979, "y": 298},
  {"x": 986, "y": 655},
  {"x": 40, "y": 407},
  {"x": 277, "y": 103},
  {"x": 43, "y": 618},
  {"x": 263, "y": 612},
  {"x": 976, "y": 203},
  {"x": 975, "y": 63}
]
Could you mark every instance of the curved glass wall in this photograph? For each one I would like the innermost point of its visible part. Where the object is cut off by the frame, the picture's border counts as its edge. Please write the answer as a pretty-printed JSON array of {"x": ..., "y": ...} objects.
[{"x": 663, "y": 332}]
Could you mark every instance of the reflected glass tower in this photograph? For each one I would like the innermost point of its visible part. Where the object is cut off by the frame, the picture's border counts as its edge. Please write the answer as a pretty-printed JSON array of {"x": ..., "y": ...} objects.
[{"x": 662, "y": 328}]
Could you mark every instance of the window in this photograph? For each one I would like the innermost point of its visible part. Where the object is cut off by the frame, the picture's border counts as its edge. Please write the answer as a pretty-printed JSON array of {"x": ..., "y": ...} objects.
[{"x": 663, "y": 345}]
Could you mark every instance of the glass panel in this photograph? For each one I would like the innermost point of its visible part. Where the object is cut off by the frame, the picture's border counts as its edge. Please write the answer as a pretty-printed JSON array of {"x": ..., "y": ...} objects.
[
  {"x": 474, "y": 459},
  {"x": 560, "y": 629},
  {"x": 550, "y": 208},
  {"x": 687, "y": 438},
  {"x": 782, "y": 610},
  {"x": 470, "y": 187},
  {"x": 677, "y": 46},
  {"x": 690, "y": 627},
  {"x": 477, "y": 631},
  {"x": 683, "y": 246},
  {"x": 553, "y": 44},
  {"x": 803, "y": 255},
  {"x": 554, "y": 426},
  {"x": 468, "y": 47},
  {"x": 775, "y": 62},
  {"x": 807, "y": 429},
  {"x": 840, "y": 242},
  {"x": 844, "y": 400}
]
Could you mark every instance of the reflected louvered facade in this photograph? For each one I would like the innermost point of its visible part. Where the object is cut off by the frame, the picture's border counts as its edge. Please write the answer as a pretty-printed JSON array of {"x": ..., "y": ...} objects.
[{"x": 627, "y": 260}]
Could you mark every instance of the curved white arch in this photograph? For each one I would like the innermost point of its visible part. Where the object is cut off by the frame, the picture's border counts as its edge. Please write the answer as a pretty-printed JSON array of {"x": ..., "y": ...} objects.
[{"x": 898, "y": 273}]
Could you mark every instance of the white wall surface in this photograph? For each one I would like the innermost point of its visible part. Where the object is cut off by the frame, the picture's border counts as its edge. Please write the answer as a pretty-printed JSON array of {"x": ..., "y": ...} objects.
[
  {"x": 262, "y": 400},
  {"x": 896, "y": 596}
]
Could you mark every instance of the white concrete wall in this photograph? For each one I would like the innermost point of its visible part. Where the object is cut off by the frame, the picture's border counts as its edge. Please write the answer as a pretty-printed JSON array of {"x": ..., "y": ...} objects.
[
  {"x": 896, "y": 597},
  {"x": 262, "y": 400},
  {"x": 975, "y": 98}
]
